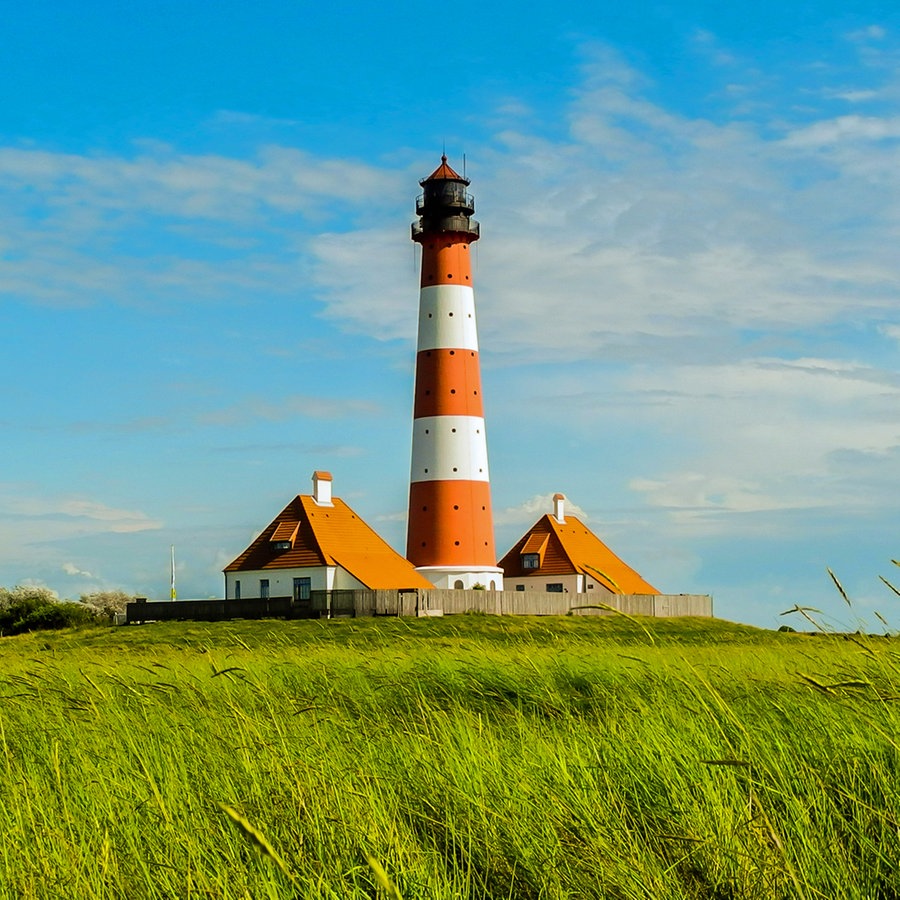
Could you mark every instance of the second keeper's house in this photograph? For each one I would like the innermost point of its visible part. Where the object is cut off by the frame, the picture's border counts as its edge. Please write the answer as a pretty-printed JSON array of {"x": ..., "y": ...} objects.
[
  {"x": 317, "y": 543},
  {"x": 560, "y": 553}
]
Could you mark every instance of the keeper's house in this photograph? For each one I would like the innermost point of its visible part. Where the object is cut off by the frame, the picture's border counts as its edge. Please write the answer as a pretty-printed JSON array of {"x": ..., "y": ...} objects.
[
  {"x": 317, "y": 543},
  {"x": 561, "y": 554}
]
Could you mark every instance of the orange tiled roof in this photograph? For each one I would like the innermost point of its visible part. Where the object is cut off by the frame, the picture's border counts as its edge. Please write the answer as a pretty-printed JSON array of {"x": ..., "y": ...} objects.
[
  {"x": 286, "y": 530},
  {"x": 572, "y": 548},
  {"x": 444, "y": 173},
  {"x": 328, "y": 536},
  {"x": 536, "y": 543}
]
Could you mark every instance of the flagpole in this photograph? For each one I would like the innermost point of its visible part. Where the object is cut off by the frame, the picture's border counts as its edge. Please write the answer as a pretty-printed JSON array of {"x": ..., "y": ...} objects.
[{"x": 172, "y": 597}]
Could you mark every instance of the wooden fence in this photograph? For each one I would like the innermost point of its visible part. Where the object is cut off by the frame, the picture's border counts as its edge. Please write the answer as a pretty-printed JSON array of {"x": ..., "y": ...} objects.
[
  {"x": 331, "y": 604},
  {"x": 540, "y": 603}
]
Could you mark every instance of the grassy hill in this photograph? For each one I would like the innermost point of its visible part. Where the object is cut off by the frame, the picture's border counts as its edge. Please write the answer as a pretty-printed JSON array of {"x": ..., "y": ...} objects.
[{"x": 469, "y": 757}]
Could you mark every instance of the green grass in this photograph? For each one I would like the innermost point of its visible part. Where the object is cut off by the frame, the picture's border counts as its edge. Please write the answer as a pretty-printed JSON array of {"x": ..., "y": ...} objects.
[{"x": 469, "y": 757}]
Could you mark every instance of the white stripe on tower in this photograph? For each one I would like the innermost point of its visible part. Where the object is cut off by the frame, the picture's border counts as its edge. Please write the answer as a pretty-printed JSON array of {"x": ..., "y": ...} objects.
[{"x": 450, "y": 535}]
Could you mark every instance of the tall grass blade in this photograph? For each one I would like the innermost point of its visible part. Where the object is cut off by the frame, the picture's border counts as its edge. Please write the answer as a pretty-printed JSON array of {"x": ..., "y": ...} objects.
[
  {"x": 383, "y": 879},
  {"x": 256, "y": 838},
  {"x": 805, "y": 612},
  {"x": 618, "y": 612},
  {"x": 839, "y": 586}
]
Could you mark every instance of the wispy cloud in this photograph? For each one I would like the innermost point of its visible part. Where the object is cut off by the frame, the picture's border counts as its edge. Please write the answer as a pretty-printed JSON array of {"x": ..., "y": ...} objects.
[
  {"x": 66, "y": 539},
  {"x": 78, "y": 229},
  {"x": 844, "y": 129},
  {"x": 49, "y": 517},
  {"x": 648, "y": 224},
  {"x": 872, "y": 32},
  {"x": 773, "y": 435},
  {"x": 288, "y": 407},
  {"x": 529, "y": 511}
]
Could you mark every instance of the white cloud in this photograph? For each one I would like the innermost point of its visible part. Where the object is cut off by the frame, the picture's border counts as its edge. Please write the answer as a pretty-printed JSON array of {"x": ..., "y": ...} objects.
[
  {"x": 708, "y": 44},
  {"x": 693, "y": 495},
  {"x": 858, "y": 96},
  {"x": 42, "y": 519},
  {"x": 842, "y": 129},
  {"x": 189, "y": 186},
  {"x": 529, "y": 511},
  {"x": 769, "y": 436},
  {"x": 77, "y": 228},
  {"x": 231, "y": 117},
  {"x": 41, "y": 532},
  {"x": 869, "y": 33},
  {"x": 648, "y": 225},
  {"x": 368, "y": 280}
]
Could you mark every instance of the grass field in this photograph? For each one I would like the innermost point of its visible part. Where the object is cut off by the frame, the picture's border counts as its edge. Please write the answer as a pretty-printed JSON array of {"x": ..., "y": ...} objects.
[{"x": 469, "y": 757}]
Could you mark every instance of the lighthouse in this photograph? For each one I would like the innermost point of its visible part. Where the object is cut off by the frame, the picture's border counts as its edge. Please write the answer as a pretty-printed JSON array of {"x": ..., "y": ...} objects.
[{"x": 450, "y": 533}]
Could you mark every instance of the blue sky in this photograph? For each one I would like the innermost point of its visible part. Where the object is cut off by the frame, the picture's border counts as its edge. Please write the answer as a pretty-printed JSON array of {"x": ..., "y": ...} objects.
[{"x": 687, "y": 283}]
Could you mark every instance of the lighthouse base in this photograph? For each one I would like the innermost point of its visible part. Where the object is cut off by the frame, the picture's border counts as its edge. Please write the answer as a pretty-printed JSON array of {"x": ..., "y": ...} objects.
[{"x": 467, "y": 578}]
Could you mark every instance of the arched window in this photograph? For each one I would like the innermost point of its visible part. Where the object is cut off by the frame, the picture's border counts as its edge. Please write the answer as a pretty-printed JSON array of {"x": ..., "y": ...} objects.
[
  {"x": 458, "y": 585},
  {"x": 493, "y": 585}
]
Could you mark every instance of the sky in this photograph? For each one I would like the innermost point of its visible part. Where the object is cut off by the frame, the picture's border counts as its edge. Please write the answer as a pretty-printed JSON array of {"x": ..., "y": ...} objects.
[{"x": 688, "y": 284}]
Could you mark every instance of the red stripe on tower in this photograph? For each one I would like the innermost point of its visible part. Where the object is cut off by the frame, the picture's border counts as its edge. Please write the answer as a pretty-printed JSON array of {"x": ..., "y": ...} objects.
[{"x": 450, "y": 532}]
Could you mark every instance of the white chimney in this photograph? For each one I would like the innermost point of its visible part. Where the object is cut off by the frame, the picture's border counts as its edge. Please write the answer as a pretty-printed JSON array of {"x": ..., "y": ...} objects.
[
  {"x": 322, "y": 488},
  {"x": 559, "y": 508}
]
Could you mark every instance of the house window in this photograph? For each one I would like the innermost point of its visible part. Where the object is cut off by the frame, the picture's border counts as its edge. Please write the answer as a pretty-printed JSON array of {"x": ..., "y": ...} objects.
[
  {"x": 590, "y": 587},
  {"x": 520, "y": 587},
  {"x": 531, "y": 561},
  {"x": 263, "y": 588},
  {"x": 281, "y": 545},
  {"x": 457, "y": 585},
  {"x": 555, "y": 588},
  {"x": 237, "y": 590},
  {"x": 301, "y": 588}
]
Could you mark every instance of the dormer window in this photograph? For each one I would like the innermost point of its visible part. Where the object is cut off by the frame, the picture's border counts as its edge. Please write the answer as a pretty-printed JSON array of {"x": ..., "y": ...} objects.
[
  {"x": 284, "y": 536},
  {"x": 532, "y": 552}
]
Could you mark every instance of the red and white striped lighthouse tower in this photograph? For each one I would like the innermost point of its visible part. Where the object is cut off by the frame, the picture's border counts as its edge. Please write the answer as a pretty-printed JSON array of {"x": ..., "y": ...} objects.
[{"x": 450, "y": 532}]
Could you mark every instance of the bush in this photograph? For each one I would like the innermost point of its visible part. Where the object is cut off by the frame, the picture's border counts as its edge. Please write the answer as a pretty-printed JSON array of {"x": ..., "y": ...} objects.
[
  {"x": 27, "y": 608},
  {"x": 26, "y": 593},
  {"x": 105, "y": 604}
]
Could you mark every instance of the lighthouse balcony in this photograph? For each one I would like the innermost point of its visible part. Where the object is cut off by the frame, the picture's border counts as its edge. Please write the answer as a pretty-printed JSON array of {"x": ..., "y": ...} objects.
[
  {"x": 460, "y": 203},
  {"x": 455, "y": 224}
]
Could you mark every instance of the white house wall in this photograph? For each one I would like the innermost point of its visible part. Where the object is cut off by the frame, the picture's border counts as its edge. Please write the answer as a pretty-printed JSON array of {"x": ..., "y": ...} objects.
[
  {"x": 572, "y": 584},
  {"x": 344, "y": 581},
  {"x": 281, "y": 581}
]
